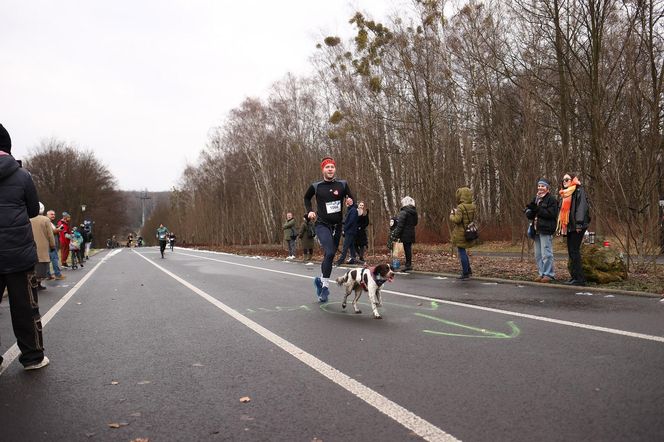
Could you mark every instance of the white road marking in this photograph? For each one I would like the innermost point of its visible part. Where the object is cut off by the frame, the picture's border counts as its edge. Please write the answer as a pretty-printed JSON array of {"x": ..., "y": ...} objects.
[
  {"x": 408, "y": 419},
  {"x": 13, "y": 351},
  {"x": 461, "y": 304}
]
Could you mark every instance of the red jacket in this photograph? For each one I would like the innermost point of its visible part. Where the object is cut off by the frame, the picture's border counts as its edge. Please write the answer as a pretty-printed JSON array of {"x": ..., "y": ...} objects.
[{"x": 65, "y": 231}]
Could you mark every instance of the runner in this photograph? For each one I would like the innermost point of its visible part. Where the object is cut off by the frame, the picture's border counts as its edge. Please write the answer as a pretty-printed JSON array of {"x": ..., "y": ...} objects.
[
  {"x": 162, "y": 236},
  {"x": 330, "y": 194},
  {"x": 171, "y": 240}
]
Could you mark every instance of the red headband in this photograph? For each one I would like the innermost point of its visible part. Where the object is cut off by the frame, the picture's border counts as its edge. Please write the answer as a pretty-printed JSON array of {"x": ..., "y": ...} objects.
[{"x": 327, "y": 161}]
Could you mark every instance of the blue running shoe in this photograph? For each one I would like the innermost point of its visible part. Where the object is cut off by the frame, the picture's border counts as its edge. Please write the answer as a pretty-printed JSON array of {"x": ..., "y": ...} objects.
[
  {"x": 319, "y": 286},
  {"x": 324, "y": 293}
]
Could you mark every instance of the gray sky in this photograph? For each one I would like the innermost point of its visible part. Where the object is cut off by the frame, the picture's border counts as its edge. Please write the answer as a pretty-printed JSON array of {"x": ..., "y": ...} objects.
[{"x": 141, "y": 82}]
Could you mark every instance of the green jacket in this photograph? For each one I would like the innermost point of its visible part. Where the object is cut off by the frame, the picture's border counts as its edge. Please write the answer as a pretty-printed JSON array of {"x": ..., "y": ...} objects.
[
  {"x": 162, "y": 233},
  {"x": 462, "y": 216},
  {"x": 306, "y": 239},
  {"x": 289, "y": 229}
]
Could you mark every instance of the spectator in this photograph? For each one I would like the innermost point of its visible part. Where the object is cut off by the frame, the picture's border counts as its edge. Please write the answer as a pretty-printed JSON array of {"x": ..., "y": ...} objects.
[
  {"x": 18, "y": 254},
  {"x": 404, "y": 229},
  {"x": 290, "y": 235},
  {"x": 84, "y": 243},
  {"x": 307, "y": 235},
  {"x": 461, "y": 216},
  {"x": 42, "y": 231},
  {"x": 542, "y": 211},
  {"x": 88, "y": 238},
  {"x": 573, "y": 220},
  {"x": 53, "y": 254},
  {"x": 75, "y": 240},
  {"x": 361, "y": 240},
  {"x": 65, "y": 230},
  {"x": 349, "y": 232}
]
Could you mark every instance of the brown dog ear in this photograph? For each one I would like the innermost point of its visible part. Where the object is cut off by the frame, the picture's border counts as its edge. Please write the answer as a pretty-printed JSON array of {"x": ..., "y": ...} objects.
[{"x": 382, "y": 269}]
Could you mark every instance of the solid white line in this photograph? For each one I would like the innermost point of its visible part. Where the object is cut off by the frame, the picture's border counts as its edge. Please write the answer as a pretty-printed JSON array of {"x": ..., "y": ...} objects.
[
  {"x": 13, "y": 351},
  {"x": 408, "y": 419},
  {"x": 461, "y": 304}
]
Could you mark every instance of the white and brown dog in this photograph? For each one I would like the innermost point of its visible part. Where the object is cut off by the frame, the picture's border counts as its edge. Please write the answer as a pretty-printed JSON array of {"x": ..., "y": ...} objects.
[{"x": 369, "y": 280}]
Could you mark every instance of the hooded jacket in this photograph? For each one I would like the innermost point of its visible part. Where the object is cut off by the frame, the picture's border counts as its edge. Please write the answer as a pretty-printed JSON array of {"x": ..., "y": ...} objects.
[
  {"x": 405, "y": 225},
  {"x": 463, "y": 215},
  {"x": 18, "y": 203}
]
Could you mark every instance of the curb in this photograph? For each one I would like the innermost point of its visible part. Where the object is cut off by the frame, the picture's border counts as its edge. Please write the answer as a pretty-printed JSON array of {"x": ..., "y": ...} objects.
[{"x": 561, "y": 286}]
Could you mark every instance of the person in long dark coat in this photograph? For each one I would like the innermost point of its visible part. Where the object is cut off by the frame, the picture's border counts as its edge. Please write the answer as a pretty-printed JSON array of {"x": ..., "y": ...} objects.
[
  {"x": 361, "y": 240},
  {"x": 405, "y": 229}
]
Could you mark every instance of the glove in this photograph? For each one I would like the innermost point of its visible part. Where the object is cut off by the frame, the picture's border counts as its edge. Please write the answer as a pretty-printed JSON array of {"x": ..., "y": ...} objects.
[{"x": 532, "y": 207}]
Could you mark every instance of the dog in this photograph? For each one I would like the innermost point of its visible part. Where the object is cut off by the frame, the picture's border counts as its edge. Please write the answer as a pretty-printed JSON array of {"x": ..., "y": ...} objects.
[{"x": 369, "y": 280}]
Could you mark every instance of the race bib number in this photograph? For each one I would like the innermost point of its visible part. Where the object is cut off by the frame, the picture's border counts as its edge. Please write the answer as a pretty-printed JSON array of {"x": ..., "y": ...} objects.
[
  {"x": 162, "y": 236},
  {"x": 333, "y": 207}
]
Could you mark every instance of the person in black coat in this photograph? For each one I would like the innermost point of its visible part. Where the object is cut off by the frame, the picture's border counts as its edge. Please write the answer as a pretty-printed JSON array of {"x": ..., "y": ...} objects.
[
  {"x": 573, "y": 221},
  {"x": 405, "y": 229},
  {"x": 361, "y": 240},
  {"x": 542, "y": 211},
  {"x": 18, "y": 255}
]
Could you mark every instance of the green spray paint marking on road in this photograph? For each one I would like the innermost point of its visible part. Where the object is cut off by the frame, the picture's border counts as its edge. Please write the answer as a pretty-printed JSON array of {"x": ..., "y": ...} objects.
[
  {"x": 326, "y": 307},
  {"x": 483, "y": 333}
]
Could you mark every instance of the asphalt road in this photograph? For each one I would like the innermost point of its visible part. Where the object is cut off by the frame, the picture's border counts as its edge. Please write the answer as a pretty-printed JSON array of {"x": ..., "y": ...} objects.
[{"x": 166, "y": 349}]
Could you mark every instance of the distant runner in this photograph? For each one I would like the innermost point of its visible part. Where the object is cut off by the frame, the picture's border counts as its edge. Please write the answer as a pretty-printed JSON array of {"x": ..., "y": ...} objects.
[
  {"x": 171, "y": 240},
  {"x": 162, "y": 236}
]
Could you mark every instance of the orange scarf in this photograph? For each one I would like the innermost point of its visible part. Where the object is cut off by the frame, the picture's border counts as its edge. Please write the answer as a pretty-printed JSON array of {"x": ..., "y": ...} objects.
[{"x": 563, "y": 216}]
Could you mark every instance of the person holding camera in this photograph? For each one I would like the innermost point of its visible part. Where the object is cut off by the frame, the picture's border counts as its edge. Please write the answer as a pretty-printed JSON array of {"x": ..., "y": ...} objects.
[
  {"x": 542, "y": 212},
  {"x": 461, "y": 216},
  {"x": 18, "y": 255}
]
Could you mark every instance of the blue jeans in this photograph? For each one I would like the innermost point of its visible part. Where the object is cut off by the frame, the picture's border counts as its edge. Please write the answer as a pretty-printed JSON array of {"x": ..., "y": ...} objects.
[
  {"x": 349, "y": 244},
  {"x": 544, "y": 255},
  {"x": 291, "y": 247},
  {"x": 53, "y": 254},
  {"x": 465, "y": 262},
  {"x": 329, "y": 238}
]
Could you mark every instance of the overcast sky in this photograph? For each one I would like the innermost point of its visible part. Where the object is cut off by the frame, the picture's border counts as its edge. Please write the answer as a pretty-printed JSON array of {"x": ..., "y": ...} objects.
[{"x": 142, "y": 82}]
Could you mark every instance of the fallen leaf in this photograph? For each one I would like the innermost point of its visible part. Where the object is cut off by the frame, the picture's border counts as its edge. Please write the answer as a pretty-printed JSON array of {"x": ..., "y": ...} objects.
[
  {"x": 197, "y": 365},
  {"x": 89, "y": 434},
  {"x": 144, "y": 382},
  {"x": 141, "y": 439},
  {"x": 114, "y": 382},
  {"x": 245, "y": 399},
  {"x": 137, "y": 414},
  {"x": 118, "y": 424}
]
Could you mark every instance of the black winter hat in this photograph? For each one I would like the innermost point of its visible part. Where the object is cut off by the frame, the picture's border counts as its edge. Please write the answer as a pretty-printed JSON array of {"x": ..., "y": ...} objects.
[{"x": 5, "y": 140}]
